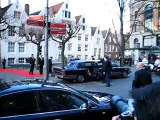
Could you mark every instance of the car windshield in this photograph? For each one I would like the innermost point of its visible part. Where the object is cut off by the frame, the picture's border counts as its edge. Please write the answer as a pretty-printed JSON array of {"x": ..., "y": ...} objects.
[{"x": 71, "y": 66}]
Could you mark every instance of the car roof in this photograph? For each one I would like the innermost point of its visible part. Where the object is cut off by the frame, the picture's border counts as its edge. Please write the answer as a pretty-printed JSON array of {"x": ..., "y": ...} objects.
[
  {"x": 77, "y": 61},
  {"x": 26, "y": 87}
]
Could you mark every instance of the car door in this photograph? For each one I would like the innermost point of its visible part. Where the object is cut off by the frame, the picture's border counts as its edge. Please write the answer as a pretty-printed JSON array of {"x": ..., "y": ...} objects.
[
  {"x": 19, "y": 106},
  {"x": 64, "y": 105}
]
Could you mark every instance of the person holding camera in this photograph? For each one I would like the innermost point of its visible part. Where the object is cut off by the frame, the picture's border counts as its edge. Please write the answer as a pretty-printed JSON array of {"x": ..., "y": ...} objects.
[{"x": 146, "y": 102}]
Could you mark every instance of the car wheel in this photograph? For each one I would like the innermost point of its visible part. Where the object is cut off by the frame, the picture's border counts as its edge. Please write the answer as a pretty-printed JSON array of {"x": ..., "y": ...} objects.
[
  {"x": 80, "y": 78},
  {"x": 125, "y": 75}
]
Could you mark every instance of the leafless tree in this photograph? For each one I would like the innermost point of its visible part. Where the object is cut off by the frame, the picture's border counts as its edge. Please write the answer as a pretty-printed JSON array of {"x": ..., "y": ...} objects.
[{"x": 35, "y": 35}]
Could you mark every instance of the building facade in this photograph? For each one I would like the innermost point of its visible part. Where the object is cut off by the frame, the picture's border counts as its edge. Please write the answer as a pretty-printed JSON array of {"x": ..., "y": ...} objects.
[{"x": 145, "y": 38}]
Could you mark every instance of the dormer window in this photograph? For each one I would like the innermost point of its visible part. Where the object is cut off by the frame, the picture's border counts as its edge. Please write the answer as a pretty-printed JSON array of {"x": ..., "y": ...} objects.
[
  {"x": 17, "y": 14},
  {"x": 66, "y": 6}
]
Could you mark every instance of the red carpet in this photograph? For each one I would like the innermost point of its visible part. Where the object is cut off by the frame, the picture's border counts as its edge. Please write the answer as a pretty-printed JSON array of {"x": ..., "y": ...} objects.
[{"x": 20, "y": 72}]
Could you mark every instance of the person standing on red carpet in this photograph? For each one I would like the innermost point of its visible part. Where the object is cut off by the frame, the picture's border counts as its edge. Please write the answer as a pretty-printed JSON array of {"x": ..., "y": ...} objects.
[
  {"x": 4, "y": 63},
  {"x": 41, "y": 63},
  {"x": 32, "y": 64}
]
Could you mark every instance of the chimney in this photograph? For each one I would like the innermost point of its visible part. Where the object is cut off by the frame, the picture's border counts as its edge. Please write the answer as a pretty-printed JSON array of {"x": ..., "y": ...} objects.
[
  {"x": 27, "y": 9},
  {"x": 9, "y": 2}
]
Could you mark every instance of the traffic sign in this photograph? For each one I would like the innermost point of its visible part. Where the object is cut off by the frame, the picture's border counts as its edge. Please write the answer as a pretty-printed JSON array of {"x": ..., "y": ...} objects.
[
  {"x": 58, "y": 25},
  {"x": 37, "y": 17},
  {"x": 35, "y": 23},
  {"x": 61, "y": 32}
]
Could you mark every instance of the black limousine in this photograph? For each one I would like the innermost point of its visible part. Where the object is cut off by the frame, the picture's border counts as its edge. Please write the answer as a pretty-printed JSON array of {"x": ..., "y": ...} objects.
[{"x": 86, "y": 70}]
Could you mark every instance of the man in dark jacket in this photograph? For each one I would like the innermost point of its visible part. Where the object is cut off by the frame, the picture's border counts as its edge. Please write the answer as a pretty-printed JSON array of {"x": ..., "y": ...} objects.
[
  {"x": 142, "y": 77},
  {"x": 32, "y": 63},
  {"x": 107, "y": 67},
  {"x": 50, "y": 65},
  {"x": 41, "y": 63}
]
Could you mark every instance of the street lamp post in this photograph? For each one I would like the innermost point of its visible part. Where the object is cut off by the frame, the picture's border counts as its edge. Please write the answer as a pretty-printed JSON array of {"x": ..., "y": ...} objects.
[{"x": 46, "y": 77}]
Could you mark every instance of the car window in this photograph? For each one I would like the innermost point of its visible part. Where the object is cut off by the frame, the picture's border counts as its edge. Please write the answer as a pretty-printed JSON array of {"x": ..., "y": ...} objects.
[
  {"x": 81, "y": 65},
  {"x": 71, "y": 66},
  {"x": 18, "y": 104},
  {"x": 58, "y": 100}
]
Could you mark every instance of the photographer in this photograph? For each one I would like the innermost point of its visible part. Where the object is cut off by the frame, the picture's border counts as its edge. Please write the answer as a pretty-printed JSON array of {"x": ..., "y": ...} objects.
[{"x": 146, "y": 102}]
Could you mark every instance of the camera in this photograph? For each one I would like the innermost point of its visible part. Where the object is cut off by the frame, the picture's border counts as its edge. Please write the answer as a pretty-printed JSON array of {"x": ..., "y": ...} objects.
[{"x": 124, "y": 107}]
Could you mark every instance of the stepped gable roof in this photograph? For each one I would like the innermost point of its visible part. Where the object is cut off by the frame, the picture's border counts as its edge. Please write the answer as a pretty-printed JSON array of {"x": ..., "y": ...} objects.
[
  {"x": 55, "y": 9},
  {"x": 78, "y": 18},
  {"x": 4, "y": 10},
  {"x": 93, "y": 30},
  {"x": 104, "y": 32},
  {"x": 36, "y": 13}
]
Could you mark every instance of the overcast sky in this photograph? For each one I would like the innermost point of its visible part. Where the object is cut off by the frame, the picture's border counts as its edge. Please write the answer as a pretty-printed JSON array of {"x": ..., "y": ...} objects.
[{"x": 97, "y": 12}]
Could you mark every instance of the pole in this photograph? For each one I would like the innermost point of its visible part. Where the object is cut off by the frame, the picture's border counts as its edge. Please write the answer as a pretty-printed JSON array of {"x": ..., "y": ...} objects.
[
  {"x": 46, "y": 46},
  {"x": 121, "y": 33}
]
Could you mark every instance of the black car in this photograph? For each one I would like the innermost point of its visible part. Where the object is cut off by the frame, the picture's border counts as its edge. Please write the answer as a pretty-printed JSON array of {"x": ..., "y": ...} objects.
[
  {"x": 52, "y": 102},
  {"x": 85, "y": 70},
  {"x": 79, "y": 71}
]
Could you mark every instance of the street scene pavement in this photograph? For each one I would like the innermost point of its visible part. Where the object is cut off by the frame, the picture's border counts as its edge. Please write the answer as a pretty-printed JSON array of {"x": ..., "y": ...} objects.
[{"x": 119, "y": 86}]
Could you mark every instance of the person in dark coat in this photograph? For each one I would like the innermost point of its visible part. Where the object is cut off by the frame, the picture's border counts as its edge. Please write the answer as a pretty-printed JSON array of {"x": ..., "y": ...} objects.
[
  {"x": 50, "y": 65},
  {"x": 32, "y": 64},
  {"x": 142, "y": 77},
  {"x": 41, "y": 63},
  {"x": 4, "y": 63},
  {"x": 107, "y": 67}
]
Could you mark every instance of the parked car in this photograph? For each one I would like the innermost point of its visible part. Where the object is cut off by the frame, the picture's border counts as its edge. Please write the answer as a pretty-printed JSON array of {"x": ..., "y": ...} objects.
[
  {"x": 52, "y": 102},
  {"x": 85, "y": 70},
  {"x": 79, "y": 71}
]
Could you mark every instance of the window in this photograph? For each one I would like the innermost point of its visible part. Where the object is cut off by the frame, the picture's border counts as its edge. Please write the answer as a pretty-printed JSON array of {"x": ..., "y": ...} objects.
[
  {"x": 11, "y": 47},
  {"x": 86, "y": 37},
  {"x": 58, "y": 100},
  {"x": 21, "y": 31},
  {"x": 98, "y": 41},
  {"x": 18, "y": 104},
  {"x": 67, "y": 6},
  {"x": 136, "y": 27},
  {"x": 21, "y": 60},
  {"x": 11, "y": 60},
  {"x": 17, "y": 14},
  {"x": 148, "y": 14},
  {"x": 69, "y": 14},
  {"x": 86, "y": 47},
  {"x": 98, "y": 31},
  {"x": 66, "y": 13},
  {"x": 21, "y": 47},
  {"x": 79, "y": 36},
  {"x": 69, "y": 46},
  {"x": 83, "y": 27},
  {"x": 86, "y": 57},
  {"x": 95, "y": 51},
  {"x": 11, "y": 30},
  {"x": 83, "y": 20},
  {"x": 79, "y": 47}
]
